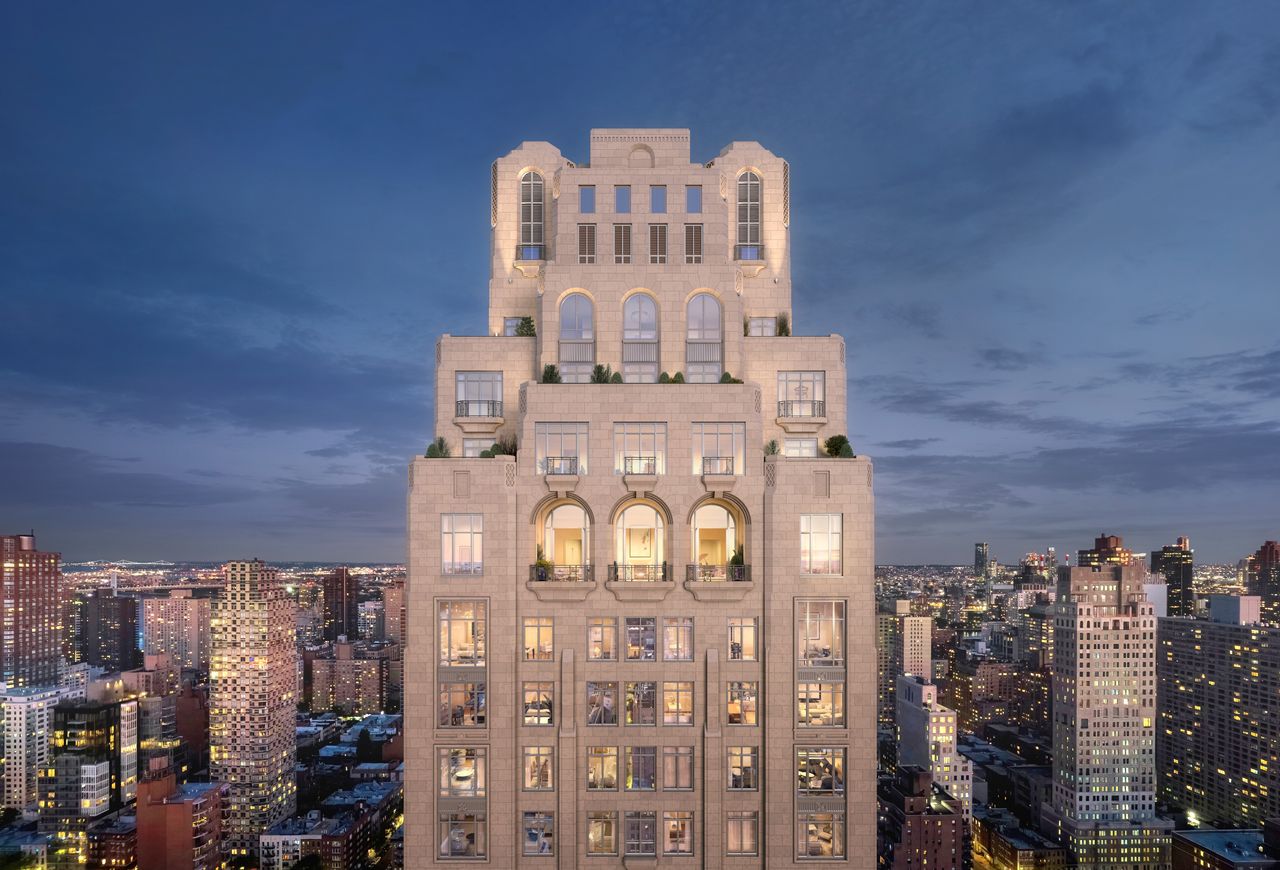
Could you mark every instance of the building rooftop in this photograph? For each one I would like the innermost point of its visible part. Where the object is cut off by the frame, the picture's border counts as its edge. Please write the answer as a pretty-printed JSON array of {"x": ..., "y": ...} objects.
[{"x": 1237, "y": 845}]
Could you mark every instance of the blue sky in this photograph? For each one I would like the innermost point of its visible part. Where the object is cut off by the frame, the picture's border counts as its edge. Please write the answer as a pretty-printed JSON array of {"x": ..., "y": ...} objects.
[{"x": 229, "y": 235}]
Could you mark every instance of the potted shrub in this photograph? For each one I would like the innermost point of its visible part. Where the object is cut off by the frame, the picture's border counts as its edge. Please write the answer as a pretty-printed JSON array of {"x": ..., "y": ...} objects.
[
  {"x": 526, "y": 328},
  {"x": 542, "y": 565},
  {"x": 439, "y": 449},
  {"x": 550, "y": 374}
]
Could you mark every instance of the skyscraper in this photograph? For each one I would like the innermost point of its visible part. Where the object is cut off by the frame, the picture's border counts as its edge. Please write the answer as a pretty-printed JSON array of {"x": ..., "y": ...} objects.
[
  {"x": 600, "y": 602},
  {"x": 341, "y": 606},
  {"x": 393, "y": 623},
  {"x": 252, "y": 701},
  {"x": 920, "y": 824},
  {"x": 1262, "y": 578},
  {"x": 26, "y": 729},
  {"x": 109, "y": 631},
  {"x": 1107, "y": 550},
  {"x": 927, "y": 735},
  {"x": 981, "y": 559},
  {"x": 1177, "y": 563},
  {"x": 30, "y": 613},
  {"x": 177, "y": 625},
  {"x": 1104, "y": 708}
]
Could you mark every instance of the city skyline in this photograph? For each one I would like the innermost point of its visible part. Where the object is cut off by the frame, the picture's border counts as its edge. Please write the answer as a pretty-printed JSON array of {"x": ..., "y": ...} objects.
[{"x": 1044, "y": 237}]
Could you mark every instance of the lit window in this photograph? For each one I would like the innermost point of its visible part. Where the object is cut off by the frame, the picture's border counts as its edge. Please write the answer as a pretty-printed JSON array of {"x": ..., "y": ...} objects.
[
  {"x": 622, "y": 198},
  {"x": 461, "y": 544},
  {"x": 715, "y": 545},
  {"x": 602, "y": 703},
  {"x": 657, "y": 244},
  {"x": 560, "y": 448},
  {"x": 677, "y": 703},
  {"x": 819, "y": 705},
  {"x": 820, "y": 544},
  {"x": 820, "y": 771},
  {"x": 539, "y": 833},
  {"x": 602, "y": 768},
  {"x": 743, "y": 833},
  {"x": 693, "y": 198},
  {"x": 479, "y": 394},
  {"x": 565, "y": 542},
  {"x": 677, "y": 638},
  {"x": 602, "y": 834},
  {"x": 642, "y": 639},
  {"x": 602, "y": 639},
  {"x": 802, "y": 394},
  {"x": 820, "y": 835},
  {"x": 641, "y": 830},
  {"x": 639, "y": 543},
  {"x": 741, "y": 707},
  {"x": 538, "y": 703},
  {"x": 539, "y": 643},
  {"x": 642, "y": 703},
  {"x": 639, "y": 448},
  {"x": 642, "y": 768},
  {"x": 800, "y": 448},
  {"x": 820, "y": 633},
  {"x": 692, "y": 244},
  {"x": 462, "y": 633},
  {"x": 677, "y": 768},
  {"x": 539, "y": 768},
  {"x": 587, "y": 199},
  {"x": 462, "y": 772},
  {"x": 718, "y": 448},
  {"x": 742, "y": 638},
  {"x": 744, "y": 768},
  {"x": 462, "y": 705},
  {"x": 463, "y": 835},
  {"x": 677, "y": 833}
]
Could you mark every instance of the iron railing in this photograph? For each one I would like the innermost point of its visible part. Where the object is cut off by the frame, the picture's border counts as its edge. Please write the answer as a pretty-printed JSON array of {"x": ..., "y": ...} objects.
[
  {"x": 560, "y": 465},
  {"x": 748, "y": 252},
  {"x": 717, "y": 573},
  {"x": 802, "y": 408},
  {"x": 640, "y": 465},
  {"x": 639, "y": 573},
  {"x": 717, "y": 465},
  {"x": 531, "y": 252},
  {"x": 478, "y": 408},
  {"x": 561, "y": 573}
]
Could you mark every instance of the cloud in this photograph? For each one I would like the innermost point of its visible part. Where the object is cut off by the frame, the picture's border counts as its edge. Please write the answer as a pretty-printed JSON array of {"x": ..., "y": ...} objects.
[
  {"x": 908, "y": 443},
  {"x": 1006, "y": 359}
]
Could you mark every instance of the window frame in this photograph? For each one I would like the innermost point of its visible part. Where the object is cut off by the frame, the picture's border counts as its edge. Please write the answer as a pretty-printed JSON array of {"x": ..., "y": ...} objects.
[
  {"x": 606, "y": 689},
  {"x": 682, "y": 692},
  {"x": 739, "y": 690},
  {"x": 602, "y": 624},
  {"x": 598, "y": 764},
  {"x": 657, "y": 244},
  {"x": 740, "y": 631},
  {"x": 657, "y": 199},
  {"x": 640, "y": 703},
  {"x": 586, "y": 244},
  {"x": 537, "y": 692},
  {"x": 547, "y": 836},
  {"x": 479, "y": 784},
  {"x": 746, "y": 820},
  {"x": 678, "y": 767},
  {"x": 692, "y": 244},
  {"x": 683, "y": 638},
  {"x": 807, "y": 563},
  {"x": 622, "y": 244},
  {"x": 622, "y": 199},
  {"x": 586, "y": 199},
  {"x": 643, "y": 755},
  {"x": 644, "y": 433},
  {"x": 701, "y": 431},
  {"x": 804, "y": 698},
  {"x": 640, "y": 827},
  {"x": 480, "y": 834},
  {"x": 670, "y": 817},
  {"x": 602, "y": 817},
  {"x": 745, "y": 758},
  {"x": 569, "y": 439},
  {"x": 533, "y": 197},
  {"x": 536, "y": 754},
  {"x": 450, "y": 537},
  {"x": 478, "y": 630},
  {"x": 447, "y": 691},
  {"x": 544, "y": 637},
  {"x": 693, "y": 199}
]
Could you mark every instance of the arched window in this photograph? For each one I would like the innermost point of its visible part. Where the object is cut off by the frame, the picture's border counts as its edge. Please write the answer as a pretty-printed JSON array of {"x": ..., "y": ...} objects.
[
  {"x": 715, "y": 543},
  {"x": 566, "y": 544},
  {"x": 704, "y": 358},
  {"x": 749, "y": 246},
  {"x": 640, "y": 340},
  {"x": 639, "y": 551},
  {"x": 577, "y": 339},
  {"x": 532, "y": 245}
]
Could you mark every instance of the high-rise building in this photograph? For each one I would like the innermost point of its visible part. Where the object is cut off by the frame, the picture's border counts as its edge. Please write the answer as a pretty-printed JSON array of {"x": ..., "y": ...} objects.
[
  {"x": 927, "y": 735},
  {"x": 1262, "y": 578},
  {"x": 109, "y": 631},
  {"x": 369, "y": 620},
  {"x": 178, "y": 625},
  {"x": 393, "y": 622},
  {"x": 113, "y": 842},
  {"x": 920, "y": 824},
  {"x": 1104, "y": 709},
  {"x": 26, "y": 729},
  {"x": 155, "y": 685},
  {"x": 341, "y": 606},
  {"x": 904, "y": 645},
  {"x": 180, "y": 826},
  {"x": 351, "y": 679},
  {"x": 666, "y": 530},
  {"x": 917, "y": 646},
  {"x": 981, "y": 559},
  {"x": 252, "y": 701},
  {"x": 30, "y": 613},
  {"x": 1177, "y": 563},
  {"x": 1218, "y": 742},
  {"x": 1107, "y": 550}
]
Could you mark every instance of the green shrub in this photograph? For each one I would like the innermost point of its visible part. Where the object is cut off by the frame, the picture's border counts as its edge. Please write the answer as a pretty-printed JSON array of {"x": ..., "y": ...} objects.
[
  {"x": 737, "y": 557},
  {"x": 746, "y": 325},
  {"x": 439, "y": 449},
  {"x": 550, "y": 374},
  {"x": 664, "y": 378},
  {"x": 784, "y": 323},
  {"x": 504, "y": 447},
  {"x": 601, "y": 374},
  {"x": 433, "y": 452},
  {"x": 727, "y": 378},
  {"x": 616, "y": 378},
  {"x": 846, "y": 450},
  {"x": 771, "y": 447},
  {"x": 677, "y": 378},
  {"x": 835, "y": 444},
  {"x": 486, "y": 454},
  {"x": 526, "y": 328}
]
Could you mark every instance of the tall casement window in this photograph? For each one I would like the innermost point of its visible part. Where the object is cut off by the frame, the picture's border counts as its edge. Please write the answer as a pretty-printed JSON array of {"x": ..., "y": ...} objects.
[
  {"x": 479, "y": 394},
  {"x": 820, "y": 544},
  {"x": 749, "y": 246},
  {"x": 462, "y": 543},
  {"x": 641, "y": 833},
  {"x": 532, "y": 243},
  {"x": 657, "y": 244},
  {"x": 602, "y": 832},
  {"x": 715, "y": 542},
  {"x": 463, "y": 835},
  {"x": 462, "y": 705},
  {"x": 539, "y": 768},
  {"x": 621, "y": 244},
  {"x": 538, "y": 702},
  {"x": 539, "y": 833},
  {"x": 462, "y": 633},
  {"x": 642, "y": 768},
  {"x": 704, "y": 356},
  {"x": 639, "y": 546},
  {"x": 742, "y": 638},
  {"x": 462, "y": 772},
  {"x": 560, "y": 448},
  {"x": 820, "y": 835},
  {"x": 539, "y": 639},
  {"x": 741, "y": 708},
  {"x": 602, "y": 639},
  {"x": 586, "y": 243},
  {"x": 677, "y": 833},
  {"x": 802, "y": 394},
  {"x": 744, "y": 768},
  {"x": 602, "y": 768},
  {"x": 692, "y": 243},
  {"x": 718, "y": 448},
  {"x": 820, "y": 705},
  {"x": 640, "y": 339},
  {"x": 742, "y": 836},
  {"x": 602, "y": 703},
  {"x": 639, "y": 448},
  {"x": 677, "y": 768},
  {"x": 820, "y": 633},
  {"x": 577, "y": 339},
  {"x": 566, "y": 544}
]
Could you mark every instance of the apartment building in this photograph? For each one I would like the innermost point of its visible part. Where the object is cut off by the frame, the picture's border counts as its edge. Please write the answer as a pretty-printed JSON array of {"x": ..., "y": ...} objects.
[{"x": 645, "y": 629}]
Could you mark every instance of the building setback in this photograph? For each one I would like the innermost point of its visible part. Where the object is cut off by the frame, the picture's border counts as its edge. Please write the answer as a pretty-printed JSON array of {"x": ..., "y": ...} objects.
[
  {"x": 30, "y": 613},
  {"x": 596, "y": 608}
]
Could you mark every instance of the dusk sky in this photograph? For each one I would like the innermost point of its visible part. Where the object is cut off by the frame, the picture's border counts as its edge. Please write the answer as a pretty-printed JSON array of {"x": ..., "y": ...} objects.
[{"x": 230, "y": 234}]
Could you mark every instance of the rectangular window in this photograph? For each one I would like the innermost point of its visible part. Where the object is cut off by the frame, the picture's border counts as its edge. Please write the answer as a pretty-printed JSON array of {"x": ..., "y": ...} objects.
[
  {"x": 602, "y": 768},
  {"x": 462, "y": 633},
  {"x": 602, "y": 833},
  {"x": 463, "y": 835},
  {"x": 820, "y": 705},
  {"x": 677, "y": 768},
  {"x": 677, "y": 638},
  {"x": 479, "y": 394},
  {"x": 741, "y": 709},
  {"x": 621, "y": 244},
  {"x": 639, "y": 448},
  {"x": 820, "y": 835},
  {"x": 622, "y": 198},
  {"x": 642, "y": 639},
  {"x": 462, "y": 772},
  {"x": 693, "y": 198},
  {"x": 718, "y": 448},
  {"x": 744, "y": 768},
  {"x": 461, "y": 544},
  {"x": 677, "y": 833},
  {"x": 602, "y": 639},
  {"x": 762, "y": 326},
  {"x": 539, "y": 768},
  {"x": 820, "y": 770},
  {"x": 820, "y": 633},
  {"x": 642, "y": 703},
  {"x": 586, "y": 244},
  {"x": 602, "y": 703},
  {"x": 462, "y": 705},
  {"x": 642, "y": 768},
  {"x": 539, "y": 833},
  {"x": 641, "y": 833},
  {"x": 800, "y": 448},
  {"x": 560, "y": 448},
  {"x": 473, "y": 447},
  {"x": 820, "y": 544},
  {"x": 539, "y": 639},
  {"x": 586, "y": 199},
  {"x": 538, "y": 700},
  {"x": 743, "y": 834},
  {"x": 693, "y": 243},
  {"x": 658, "y": 198},
  {"x": 657, "y": 244},
  {"x": 510, "y": 325},
  {"x": 742, "y": 638},
  {"x": 677, "y": 703},
  {"x": 802, "y": 394}
]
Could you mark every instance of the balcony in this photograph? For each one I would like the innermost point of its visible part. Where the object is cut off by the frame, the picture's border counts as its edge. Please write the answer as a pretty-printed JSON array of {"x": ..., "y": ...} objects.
[
  {"x": 639, "y": 473},
  {"x": 717, "y": 465},
  {"x": 748, "y": 253},
  {"x": 560, "y": 465},
  {"x": 639, "y": 573},
  {"x": 718, "y": 573},
  {"x": 529, "y": 253},
  {"x": 561, "y": 582},
  {"x": 478, "y": 416},
  {"x": 640, "y": 582},
  {"x": 802, "y": 408}
]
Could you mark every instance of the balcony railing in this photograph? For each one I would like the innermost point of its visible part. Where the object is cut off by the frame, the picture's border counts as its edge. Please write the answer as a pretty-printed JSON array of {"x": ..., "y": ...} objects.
[
  {"x": 717, "y": 465},
  {"x": 577, "y": 350},
  {"x": 717, "y": 573},
  {"x": 640, "y": 465},
  {"x": 560, "y": 465},
  {"x": 531, "y": 252},
  {"x": 478, "y": 408},
  {"x": 561, "y": 573},
  {"x": 802, "y": 408},
  {"x": 639, "y": 573},
  {"x": 748, "y": 252}
]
